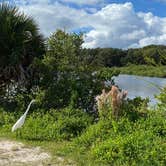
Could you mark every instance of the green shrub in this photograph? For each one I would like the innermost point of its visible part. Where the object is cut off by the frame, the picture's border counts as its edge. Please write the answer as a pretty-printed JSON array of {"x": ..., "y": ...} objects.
[
  {"x": 6, "y": 117},
  {"x": 162, "y": 99},
  {"x": 137, "y": 148},
  {"x": 135, "y": 109},
  {"x": 94, "y": 133},
  {"x": 139, "y": 140},
  {"x": 54, "y": 125}
]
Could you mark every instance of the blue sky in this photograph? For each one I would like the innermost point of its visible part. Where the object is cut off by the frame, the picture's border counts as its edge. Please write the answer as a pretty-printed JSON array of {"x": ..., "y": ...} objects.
[
  {"x": 157, "y": 7},
  {"x": 106, "y": 23}
]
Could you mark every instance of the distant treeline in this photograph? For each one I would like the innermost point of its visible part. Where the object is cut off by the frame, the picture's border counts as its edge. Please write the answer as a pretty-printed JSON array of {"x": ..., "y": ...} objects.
[{"x": 108, "y": 57}]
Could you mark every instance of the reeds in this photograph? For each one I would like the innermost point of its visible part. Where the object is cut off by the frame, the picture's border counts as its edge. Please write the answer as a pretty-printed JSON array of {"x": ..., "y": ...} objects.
[{"x": 112, "y": 100}]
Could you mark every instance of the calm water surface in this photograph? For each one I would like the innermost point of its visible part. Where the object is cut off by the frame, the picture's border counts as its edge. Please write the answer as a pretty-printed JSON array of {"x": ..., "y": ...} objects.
[{"x": 141, "y": 86}]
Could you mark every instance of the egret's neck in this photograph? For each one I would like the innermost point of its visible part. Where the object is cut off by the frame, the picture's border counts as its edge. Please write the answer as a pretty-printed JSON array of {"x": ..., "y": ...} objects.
[{"x": 29, "y": 106}]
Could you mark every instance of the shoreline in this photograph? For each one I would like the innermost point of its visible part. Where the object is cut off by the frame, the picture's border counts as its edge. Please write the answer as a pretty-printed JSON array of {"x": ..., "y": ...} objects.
[{"x": 143, "y": 70}]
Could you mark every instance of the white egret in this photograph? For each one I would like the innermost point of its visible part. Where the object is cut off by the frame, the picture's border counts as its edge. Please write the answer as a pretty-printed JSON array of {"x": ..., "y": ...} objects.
[{"x": 21, "y": 120}]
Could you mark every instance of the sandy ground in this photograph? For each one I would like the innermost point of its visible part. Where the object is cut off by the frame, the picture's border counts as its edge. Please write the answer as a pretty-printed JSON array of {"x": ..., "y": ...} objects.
[{"x": 17, "y": 154}]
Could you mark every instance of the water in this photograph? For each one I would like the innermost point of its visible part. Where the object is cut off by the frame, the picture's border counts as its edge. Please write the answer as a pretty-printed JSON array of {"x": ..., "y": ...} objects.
[{"x": 141, "y": 86}]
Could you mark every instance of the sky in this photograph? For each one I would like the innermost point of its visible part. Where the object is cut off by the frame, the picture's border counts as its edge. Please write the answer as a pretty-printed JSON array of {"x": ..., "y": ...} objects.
[{"x": 105, "y": 23}]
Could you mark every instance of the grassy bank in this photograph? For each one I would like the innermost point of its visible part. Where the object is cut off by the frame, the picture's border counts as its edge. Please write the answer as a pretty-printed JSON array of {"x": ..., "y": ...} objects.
[{"x": 143, "y": 70}]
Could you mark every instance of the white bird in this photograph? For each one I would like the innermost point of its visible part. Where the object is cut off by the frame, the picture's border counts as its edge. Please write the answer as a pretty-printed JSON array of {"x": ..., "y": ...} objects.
[{"x": 21, "y": 120}]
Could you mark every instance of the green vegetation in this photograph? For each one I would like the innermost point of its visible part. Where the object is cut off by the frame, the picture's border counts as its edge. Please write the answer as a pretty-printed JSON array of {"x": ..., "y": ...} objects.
[
  {"x": 65, "y": 78},
  {"x": 154, "y": 55},
  {"x": 126, "y": 143},
  {"x": 143, "y": 70},
  {"x": 65, "y": 75},
  {"x": 53, "y": 125},
  {"x": 137, "y": 138}
]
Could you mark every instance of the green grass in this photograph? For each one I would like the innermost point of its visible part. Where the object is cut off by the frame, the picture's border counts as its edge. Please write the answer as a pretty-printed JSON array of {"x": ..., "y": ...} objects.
[{"x": 143, "y": 70}]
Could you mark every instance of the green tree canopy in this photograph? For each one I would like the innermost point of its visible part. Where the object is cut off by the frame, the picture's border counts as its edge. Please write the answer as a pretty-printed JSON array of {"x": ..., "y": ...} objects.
[{"x": 67, "y": 78}]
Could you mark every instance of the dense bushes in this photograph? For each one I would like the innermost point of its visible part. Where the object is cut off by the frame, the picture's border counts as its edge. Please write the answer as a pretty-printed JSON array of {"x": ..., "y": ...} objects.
[
  {"x": 137, "y": 138},
  {"x": 125, "y": 142},
  {"x": 139, "y": 143},
  {"x": 53, "y": 125},
  {"x": 107, "y": 142},
  {"x": 138, "y": 148}
]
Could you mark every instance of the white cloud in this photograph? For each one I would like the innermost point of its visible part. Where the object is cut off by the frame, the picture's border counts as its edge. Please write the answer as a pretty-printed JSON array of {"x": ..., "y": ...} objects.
[
  {"x": 54, "y": 16},
  {"x": 85, "y": 2},
  {"x": 115, "y": 25},
  {"x": 152, "y": 40},
  {"x": 32, "y": 1},
  {"x": 118, "y": 25}
]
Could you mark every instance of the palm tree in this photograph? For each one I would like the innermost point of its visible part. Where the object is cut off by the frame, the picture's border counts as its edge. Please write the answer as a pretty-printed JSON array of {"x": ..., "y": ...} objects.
[{"x": 20, "y": 42}]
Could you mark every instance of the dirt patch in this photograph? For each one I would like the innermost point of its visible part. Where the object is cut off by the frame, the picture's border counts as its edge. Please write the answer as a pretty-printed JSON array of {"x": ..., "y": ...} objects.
[{"x": 17, "y": 154}]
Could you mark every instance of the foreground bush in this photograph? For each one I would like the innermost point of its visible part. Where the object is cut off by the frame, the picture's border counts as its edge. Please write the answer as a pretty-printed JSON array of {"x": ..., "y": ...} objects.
[
  {"x": 139, "y": 143},
  {"x": 126, "y": 141}
]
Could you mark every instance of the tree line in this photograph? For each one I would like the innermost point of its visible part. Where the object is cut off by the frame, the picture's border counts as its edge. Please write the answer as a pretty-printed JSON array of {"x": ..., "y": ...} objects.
[{"x": 109, "y": 57}]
